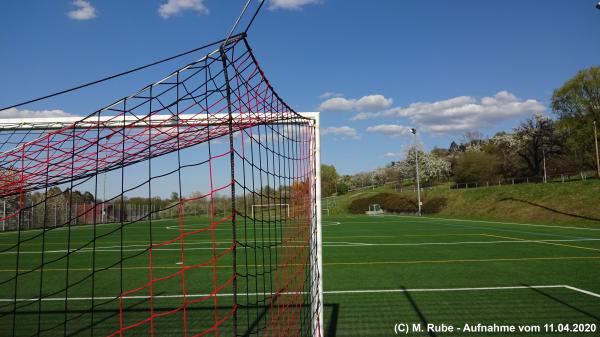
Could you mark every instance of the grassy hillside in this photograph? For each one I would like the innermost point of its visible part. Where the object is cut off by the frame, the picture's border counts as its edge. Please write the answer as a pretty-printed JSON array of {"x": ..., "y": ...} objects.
[{"x": 557, "y": 203}]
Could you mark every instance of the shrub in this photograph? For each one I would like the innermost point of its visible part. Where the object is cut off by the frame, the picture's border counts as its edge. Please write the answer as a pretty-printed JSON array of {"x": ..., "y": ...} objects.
[
  {"x": 434, "y": 205},
  {"x": 396, "y": 203},
  {"x": 360, "y": 206},
  {"x": 479, "y": 167}
]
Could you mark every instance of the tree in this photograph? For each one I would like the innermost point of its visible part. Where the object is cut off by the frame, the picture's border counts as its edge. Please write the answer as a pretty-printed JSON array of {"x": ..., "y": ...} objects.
[
  {"x": 342, "y": 187},
  {"x": 537, "y": 138},
  {"x": 505, "y": 146},
  {"x": 479, "y": 167},
  {"x": 577, "y": 103},
  {"x": 362, "y": 179},
  {"x": 329, "y": 178},
  {"x": 431, "y": 167}
]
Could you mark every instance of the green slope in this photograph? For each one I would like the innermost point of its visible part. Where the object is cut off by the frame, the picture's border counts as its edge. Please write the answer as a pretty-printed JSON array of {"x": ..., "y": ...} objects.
[{"x": 557, "y": 203}]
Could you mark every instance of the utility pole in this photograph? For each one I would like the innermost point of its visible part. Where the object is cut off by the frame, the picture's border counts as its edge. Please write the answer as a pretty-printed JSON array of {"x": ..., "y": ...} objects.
[
  {"x": 414, "y": 132},
  {"x": 103, "y": 199},
  {"x": 544, "y": 160},
  {"x": 596, "y": 142}
]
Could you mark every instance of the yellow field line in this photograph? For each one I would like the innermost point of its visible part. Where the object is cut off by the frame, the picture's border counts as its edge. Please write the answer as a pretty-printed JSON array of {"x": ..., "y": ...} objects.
[
  {"x": 467, "y": 260},
  {"x": 465, "y": 234},
  {"x": 341, "y": 263},
  {"x": 543, "y": 242}
]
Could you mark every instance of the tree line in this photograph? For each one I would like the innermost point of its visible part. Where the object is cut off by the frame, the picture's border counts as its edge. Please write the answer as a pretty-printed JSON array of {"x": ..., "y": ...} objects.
[{"x": 541, "y": 145}]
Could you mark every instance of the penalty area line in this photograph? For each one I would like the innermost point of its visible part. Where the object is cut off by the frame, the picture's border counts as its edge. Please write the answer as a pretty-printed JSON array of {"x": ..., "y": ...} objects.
[{"x": 330, "y": 292}]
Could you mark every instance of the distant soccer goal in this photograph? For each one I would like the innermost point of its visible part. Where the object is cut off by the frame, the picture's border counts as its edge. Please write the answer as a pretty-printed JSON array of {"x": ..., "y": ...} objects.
[
  {"x": 270, "y": 212},
  {"x": 325, "y": 211},
  {"x": 374, "y": 209}
]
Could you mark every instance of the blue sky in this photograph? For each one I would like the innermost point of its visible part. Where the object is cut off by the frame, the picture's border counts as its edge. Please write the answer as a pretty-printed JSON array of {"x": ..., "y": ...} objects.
[{"x": 373, "y": 68}]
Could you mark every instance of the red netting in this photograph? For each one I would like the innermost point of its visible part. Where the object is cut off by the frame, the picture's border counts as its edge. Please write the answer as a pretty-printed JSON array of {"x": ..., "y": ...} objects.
[{"x": 237, "y": 259}]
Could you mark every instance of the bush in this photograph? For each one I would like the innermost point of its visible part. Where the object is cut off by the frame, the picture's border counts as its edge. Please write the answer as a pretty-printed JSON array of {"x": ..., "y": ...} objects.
[
  {"x": 434, "y": 205},
  {"x": 360, "y": 206},
  {"x": 396, "y": 203},
  {"x": 479, "y": 167}
]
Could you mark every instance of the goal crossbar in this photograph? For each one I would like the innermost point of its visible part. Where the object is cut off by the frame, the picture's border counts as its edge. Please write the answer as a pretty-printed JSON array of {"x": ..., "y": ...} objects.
[
  {"x": 213, "y": 133},
  {"x": 158, "y": 120}
]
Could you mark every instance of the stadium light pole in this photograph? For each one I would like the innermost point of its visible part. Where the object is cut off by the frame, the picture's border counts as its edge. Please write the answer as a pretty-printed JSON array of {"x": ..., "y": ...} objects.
[
  {"x": 596, "y": 140},
  {"x": 414, "y": 132}
]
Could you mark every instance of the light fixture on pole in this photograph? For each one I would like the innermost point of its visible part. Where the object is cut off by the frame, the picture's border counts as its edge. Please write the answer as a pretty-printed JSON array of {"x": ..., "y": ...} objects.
[
  {"x": 598, "y": 5},
  {"x": 414, "y": 132}
]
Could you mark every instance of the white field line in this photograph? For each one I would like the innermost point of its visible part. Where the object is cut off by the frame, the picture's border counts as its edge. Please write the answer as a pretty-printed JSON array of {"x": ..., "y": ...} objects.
[
  {"x": 361, "y": 244},
  {"x": 498, "y": 222},
  {"x": 132, "y": 225},
  {"x": 250, "y": 227},
  {"x": 131, "y": 248},
  {"x": 587, "y": 292},
  {"x": 382, "y": 291},
  {"x": 331, "y": 292},
  {"x": 81, "y": 227}
]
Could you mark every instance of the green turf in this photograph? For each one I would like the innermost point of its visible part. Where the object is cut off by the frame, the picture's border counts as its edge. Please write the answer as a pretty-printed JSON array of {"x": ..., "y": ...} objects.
[{"x": 409, "y": 256}]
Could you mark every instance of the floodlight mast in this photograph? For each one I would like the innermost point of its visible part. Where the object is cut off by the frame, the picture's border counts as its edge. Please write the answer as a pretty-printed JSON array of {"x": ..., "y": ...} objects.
[
  {"x": 414, "y": 132},
  {"x": 596, "y": 143},
  {"x": 598, "y": 5}
]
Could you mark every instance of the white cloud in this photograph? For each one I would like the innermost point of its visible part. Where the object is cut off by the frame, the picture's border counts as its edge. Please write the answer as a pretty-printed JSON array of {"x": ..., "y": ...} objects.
[
  {"x": 364, "y": 104},
  {"x": 342, "y": 131},
  {"x": 84, "y": 11},
  {"x": 291, "y": 4},
  {"x": 373, "y": 103},
  {"x": 16, "y": 113},
  {"x": 329, "y": 94},
  {"x": 172, "y": 7},
  {"x": 394, "y": 154},
  {"x": 337, "y": 104},
  {"x": 394, "y": 130},
  {"x": 463, "y": 113}
]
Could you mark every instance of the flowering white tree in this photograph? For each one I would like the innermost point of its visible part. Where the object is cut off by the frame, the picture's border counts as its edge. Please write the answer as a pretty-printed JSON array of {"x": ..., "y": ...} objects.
[{"x": 431, "y": 167}]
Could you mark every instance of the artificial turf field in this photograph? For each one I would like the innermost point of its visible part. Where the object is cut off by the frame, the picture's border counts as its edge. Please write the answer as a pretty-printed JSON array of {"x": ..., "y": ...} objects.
[{"x": 378, "y": 272}]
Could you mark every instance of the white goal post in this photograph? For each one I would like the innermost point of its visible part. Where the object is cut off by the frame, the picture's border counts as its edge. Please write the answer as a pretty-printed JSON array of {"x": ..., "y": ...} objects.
[
  {"x": 374, "y": 209},
  {"x": 42, "y": 125}
]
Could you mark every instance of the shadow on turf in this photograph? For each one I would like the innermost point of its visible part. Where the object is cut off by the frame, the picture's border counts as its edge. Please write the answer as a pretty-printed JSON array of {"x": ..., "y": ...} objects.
[
  {"x": 252, "y": 328},
  {"x": 551, "y": 209},
  {"x": 417, "y": 310},
  {"x": 331, "y": 330},
  {"x": 558, "y": 300}
]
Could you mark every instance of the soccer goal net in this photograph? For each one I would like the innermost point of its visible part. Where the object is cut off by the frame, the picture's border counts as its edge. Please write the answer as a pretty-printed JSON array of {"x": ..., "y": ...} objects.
[
  {"x": 150, "y": 217},
  {"x": 374, "y": 209}
]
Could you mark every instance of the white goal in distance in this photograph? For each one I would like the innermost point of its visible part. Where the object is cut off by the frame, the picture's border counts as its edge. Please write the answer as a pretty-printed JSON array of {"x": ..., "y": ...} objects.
[{"x": 270, "y": 211}]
